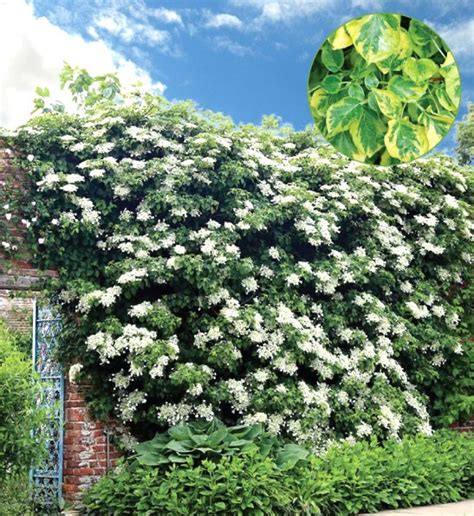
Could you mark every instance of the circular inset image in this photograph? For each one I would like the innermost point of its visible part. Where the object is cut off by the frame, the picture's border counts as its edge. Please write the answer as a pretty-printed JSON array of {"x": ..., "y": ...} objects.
[{"x": 384, "y": 89}]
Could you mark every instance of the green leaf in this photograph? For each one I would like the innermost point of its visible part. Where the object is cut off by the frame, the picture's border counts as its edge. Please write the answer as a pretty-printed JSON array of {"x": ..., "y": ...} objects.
[
  {"x": 453, "y": 82},
  {"x": 371, "y": 81},
  {"x": 419, "y": 70},
  {"x": 389, "y": 104},
  {"x": 343, "y": 143},
  {"x": 395, "y": 62},
  {"x": 425, "y": 41},
  {"x": 375, "y": 36},
  {"x": 405, "y": 89},
  {"x": 290, "y": 455},
  {"x": 436, "y": 126},
  {"x": 179, "y": 432},
  {"x": 178, "y": 446},
  {"x": 372, "y": 102},
  {"x": 405, "y": 141},
  {"x": 331, "y": 84},
  {"x": 42, "y": 92},
  {"x": 356, "y": 91},
  {"x": 342, "y": 114},
  {"x": 444, "y": 99},
  {"x": 332, "y": 59},
  {"x": 367, "y": 133}
]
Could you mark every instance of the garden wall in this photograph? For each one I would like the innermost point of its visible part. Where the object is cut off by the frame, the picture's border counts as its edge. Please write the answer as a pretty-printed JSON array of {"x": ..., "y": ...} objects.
[{"x": 87, "y": 455}]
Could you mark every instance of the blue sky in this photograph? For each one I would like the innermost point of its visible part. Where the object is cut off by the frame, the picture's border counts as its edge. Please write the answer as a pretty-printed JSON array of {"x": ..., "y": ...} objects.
[{"x": 245, "y": 58}]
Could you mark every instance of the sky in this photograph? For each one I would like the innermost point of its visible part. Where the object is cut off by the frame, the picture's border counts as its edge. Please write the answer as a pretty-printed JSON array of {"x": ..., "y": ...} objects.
[{"x": 244, "y": 58}]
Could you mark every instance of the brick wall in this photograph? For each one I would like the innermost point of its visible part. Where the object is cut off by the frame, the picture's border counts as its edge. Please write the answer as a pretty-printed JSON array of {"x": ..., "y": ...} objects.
[
  {"x": 466, "y": 426},
  {"x": 87, "y": 456},
  {"x": 86, "y": 453},
  {"x": 16, "y": 309}
]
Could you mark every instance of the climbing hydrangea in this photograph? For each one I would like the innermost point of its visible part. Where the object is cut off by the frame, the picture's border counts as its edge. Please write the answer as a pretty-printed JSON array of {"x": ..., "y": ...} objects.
[{"x": 246, "y": 273}]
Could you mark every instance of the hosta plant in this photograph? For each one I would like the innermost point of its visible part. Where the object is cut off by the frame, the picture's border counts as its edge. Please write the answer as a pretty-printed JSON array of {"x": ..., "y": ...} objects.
[
  {"x": 245, "y": 273},
  {"x": 212, "y": 440},
  {"x": 384, "y": 89}
]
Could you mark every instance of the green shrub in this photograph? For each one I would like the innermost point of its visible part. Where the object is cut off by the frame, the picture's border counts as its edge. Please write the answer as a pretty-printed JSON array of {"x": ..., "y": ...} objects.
[
  {"x": 246, "y": 273},
  {"x": 348, "y": 479},
  {"x": 15, "y": 496},
  {"x": 19, "y": 413}
]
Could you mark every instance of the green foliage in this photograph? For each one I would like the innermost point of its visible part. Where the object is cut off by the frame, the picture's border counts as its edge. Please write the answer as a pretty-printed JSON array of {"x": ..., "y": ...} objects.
[
  {"x": 85, "y": 89},
  {"x": 465, "y": 136},
  {"x": 19, "y": 414},
  {"x": 384, "y": 74},
  {"x": 247, "y": 273},
  {"x": 348, "y": 479},
  {"x": 15, "y": 496},
  {"x": 210, "y": 440}
]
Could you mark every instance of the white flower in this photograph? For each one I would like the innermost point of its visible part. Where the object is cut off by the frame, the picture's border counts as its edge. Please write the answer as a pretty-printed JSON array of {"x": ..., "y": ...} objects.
[
  {"x": 77, "y": 147},
  {"x": 293, "y": 279},
  {"x": 363, "y": 430},
  {"x": 69, "y": 188},
  {"x": 74, "y": 178},
  {"x": 8, "y": 216},
  {"x": 132, "y": 276},
  {"x": 74, "y": 370},
  {"x": 179, "y": 249},
  {"x": 97, "y": 172},
  {"x": 140, "y": 310},
  {"x": 274, "y": 253},
  {"x": 30, "y": 157},
  {"x": 418, "y": 312},
  {"x": 250, "y": 285},
  {"x": 41, "y": 240}
]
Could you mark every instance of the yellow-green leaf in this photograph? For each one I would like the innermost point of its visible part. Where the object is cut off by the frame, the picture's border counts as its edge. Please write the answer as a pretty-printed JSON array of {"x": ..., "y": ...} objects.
[
  {"x": 453, "y": 82},
  {"x": 386, "y": 159},
  {"x": 419, "y": 70},
  {"x": 449, "y": 60},
  {"x": 342, "y": 114},
  {"x": 395, "y": 62},
  {"x": 405, "y": 89},
  {"x": 389, "y": 104},
  {"x": 318, "y": 103},
  {"x": 340, "y": 39},
  {"x": 367, "y": 132},
  {"x": 376, "y": 36},
  {"x": 436, "y": 127},
  {"x": 405, "y": 141},
  {"x": 425, "y": 41},
  {"x": 444, "y": 99}
]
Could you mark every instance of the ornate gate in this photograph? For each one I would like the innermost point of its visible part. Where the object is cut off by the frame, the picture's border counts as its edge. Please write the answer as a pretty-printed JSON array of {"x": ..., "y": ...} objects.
[{"x": 47, "y": 478}]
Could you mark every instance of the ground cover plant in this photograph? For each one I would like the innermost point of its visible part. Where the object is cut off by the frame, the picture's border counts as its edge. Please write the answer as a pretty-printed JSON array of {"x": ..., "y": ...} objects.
[
  {"x": 384, "y": 89},
  {"x": 250, "y": 274},
  {"x": 348, "y": 479}
]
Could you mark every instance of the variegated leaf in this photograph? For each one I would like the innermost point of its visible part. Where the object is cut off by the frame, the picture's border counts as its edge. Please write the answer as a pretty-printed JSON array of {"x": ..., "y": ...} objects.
[{"x": 405, "y": 141}]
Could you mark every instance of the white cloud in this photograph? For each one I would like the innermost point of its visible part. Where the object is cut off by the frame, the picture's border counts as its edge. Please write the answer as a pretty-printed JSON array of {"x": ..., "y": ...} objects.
[
  {"x": 231, "y": 46},
  {"x": 33, "y": 52},
  {"x": 284, "y": 10},
  {"x": 127, "y": 29},
  {"x": 223, "y": 20},
  {"x": 459, "y": 37},
  {"x": 167, "y": 15}
]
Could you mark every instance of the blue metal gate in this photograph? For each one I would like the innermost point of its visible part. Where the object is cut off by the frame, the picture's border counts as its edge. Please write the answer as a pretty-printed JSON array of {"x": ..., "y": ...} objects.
[{"x": 47, "y": 478}]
